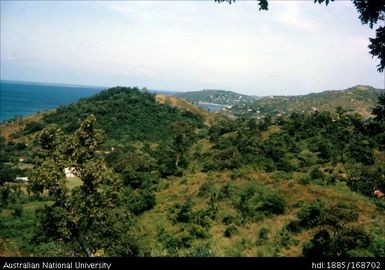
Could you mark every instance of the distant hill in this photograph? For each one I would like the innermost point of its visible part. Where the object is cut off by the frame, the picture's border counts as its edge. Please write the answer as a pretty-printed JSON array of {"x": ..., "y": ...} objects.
[
  {"x": 360, "y": 99},
  {"x": 221, "y": 97}
]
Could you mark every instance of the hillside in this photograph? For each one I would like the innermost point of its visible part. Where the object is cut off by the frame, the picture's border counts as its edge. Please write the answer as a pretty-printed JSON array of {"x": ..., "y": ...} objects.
[
  {"x": 220, "y": 97},
  {"x": 207, "y": 117},
  {"x": 125, "y": 114},
  {"x": 176, "y": 180},
  {"x": 359, "y": 99}
]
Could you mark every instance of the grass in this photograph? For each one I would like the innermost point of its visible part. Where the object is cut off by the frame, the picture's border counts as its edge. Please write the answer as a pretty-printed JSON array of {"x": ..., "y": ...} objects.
[
  {"x": 242, "y": 243},
  {"x": 208, "y": 117},
  {"x": 16, "y": 231},
  {"x": 73, "y": 182},
  {"x": 8, "y": 129}
]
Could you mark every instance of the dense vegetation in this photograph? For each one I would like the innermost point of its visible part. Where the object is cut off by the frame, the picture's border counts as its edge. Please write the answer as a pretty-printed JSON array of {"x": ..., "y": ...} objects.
[
  {"x": 299, "y": 184},
  {"x": 125, "y": 114}
]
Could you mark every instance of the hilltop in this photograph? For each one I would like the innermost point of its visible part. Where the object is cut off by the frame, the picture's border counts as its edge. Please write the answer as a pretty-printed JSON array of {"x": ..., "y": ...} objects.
[
  {"x": 360, "y": 99},
  {"x": 126, "y": 114}
]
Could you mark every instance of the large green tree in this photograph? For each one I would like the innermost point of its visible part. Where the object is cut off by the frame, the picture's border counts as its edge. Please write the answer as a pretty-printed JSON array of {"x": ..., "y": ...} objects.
[
  {"x": 379, "y": 109},
  {"x": 87, "y": 218},
  {"x": 184, "y": 136},
  {"x": 371, "y": 12}
]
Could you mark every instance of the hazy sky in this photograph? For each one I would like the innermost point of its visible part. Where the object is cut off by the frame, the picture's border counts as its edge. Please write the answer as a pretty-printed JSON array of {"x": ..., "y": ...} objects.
[{"x": 295, "y": 47}]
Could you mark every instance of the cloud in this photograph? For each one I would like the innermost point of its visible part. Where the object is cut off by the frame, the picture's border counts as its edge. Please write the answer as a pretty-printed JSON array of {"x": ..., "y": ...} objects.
[{"x": 293, "y": 15}]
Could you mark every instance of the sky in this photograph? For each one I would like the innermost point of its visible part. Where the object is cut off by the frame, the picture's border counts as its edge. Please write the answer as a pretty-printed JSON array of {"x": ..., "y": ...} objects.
[{"x": 296, "y": 47}]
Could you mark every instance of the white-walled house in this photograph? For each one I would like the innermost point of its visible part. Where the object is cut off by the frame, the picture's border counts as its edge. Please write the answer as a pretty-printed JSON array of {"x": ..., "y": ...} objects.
[
  {"x": 70, "y": 172},
  {"x": 22, "y": 179}
]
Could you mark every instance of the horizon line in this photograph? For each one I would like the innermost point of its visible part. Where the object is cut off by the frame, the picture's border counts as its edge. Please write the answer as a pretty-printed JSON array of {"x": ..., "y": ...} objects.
[{"x": 177, "y": 91}]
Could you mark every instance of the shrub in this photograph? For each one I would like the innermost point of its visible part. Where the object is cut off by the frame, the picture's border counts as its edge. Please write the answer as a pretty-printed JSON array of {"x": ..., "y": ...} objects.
[
  {"x": 257, "y": 202},
  {"x": 272, "y": 203},
  {"x": 294, "y": 226},
  {"x": 173, "y": 242},
  {"x": 378, "y": 247},
  {"x": 201, "y": 251},
  {"x": 304, "y": 180},
  {"x": 317, "y": 174},
  {"x": 33, "y": 127},
  {"x": 311, "y": 215},
  {"x": 228, "y": 219},
  {"x": 363, "y": 179},
  {"x": 263, "y": 236},
  {"x": 281, "y": 175},
  {"x": 230, "y": 230},
  {"x": 17, "y": 211},
  {"x": 206, "y": 188},
  {"x": 285, "y": 239},
  {"x": 203, "y": 217},
  {"x": 349, "y": 241},
  {"x": 197, "y": 231},
  {"x": 139, "y": 201},
  {"x": 185, "y": 214},
  {"x": 227, "y": 191}
]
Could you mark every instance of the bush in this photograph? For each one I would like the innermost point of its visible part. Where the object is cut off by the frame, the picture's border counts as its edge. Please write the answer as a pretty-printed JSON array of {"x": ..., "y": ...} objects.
[
  {"x": 197, "y": 231},
  {"x": 363, "y": 179},
  {"x": 294, "y": 226},
  {"x": 202, "y": 251},
  {"x": 257, "y": 202},
  {"x": 230, "y": 230},
  {"x": 229, "y": 158},
  {"x": 304, "y": 180},
  {"x": 139, "y": 201},
  {"x": 285, "y": 239},
  {"x": 263, "y": 236},
  {"x": 311, "y": 215},
  {"x": 281, "y": 175},
  {"x": 317, "y": 174},
  {"x": 185, "y": 213},
  {"x": 378, "y": 247},
  {"x": 227, "y": 191},
  {"x": 206, "y": 188},
  {"x": 349, "y": 241},
  {"x": 272, "y": 203},
  {"x": 17, "y": 211},
  {"x": 20, "y": 146},
  {"x": 174, "y": 242},
  {"x": 228, "y": 219},
  {"x": 33, "y": 127},
  {"x": 203, "y": 217}
]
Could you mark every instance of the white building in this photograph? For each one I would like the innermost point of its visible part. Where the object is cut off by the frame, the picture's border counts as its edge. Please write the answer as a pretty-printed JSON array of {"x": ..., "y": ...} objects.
[
  {"x": 70, "y": 172},
  {"x": 22, "y": 179}
]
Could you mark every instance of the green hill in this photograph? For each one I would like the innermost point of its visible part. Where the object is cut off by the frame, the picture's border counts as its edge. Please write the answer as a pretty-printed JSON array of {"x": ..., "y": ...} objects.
[
  {"x": 124, "y": 114},
  {"x": 359, "y": 99}
]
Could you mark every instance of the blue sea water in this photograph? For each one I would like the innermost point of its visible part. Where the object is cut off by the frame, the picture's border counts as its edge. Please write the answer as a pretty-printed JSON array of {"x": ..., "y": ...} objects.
[
  {"x": 26, "y": 98},
  {"x": 211, "y": 107}
]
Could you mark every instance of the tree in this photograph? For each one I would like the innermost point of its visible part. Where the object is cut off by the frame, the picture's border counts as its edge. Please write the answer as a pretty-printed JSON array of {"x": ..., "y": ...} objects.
[
  {"x": 86, "y": 217},
  {"x": 371, "y": 12},
  {"x": 184, "y": 135},
  {"x": 379, "y": 109},
  {"x": 263, "y": 4}
]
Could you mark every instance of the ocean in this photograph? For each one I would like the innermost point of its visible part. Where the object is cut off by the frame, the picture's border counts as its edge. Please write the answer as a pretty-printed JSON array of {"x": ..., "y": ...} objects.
[
  {"x": 26, "y": 98},
  {"x": 211, "y": 107},
  {"x": 19, "y": 99}
]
